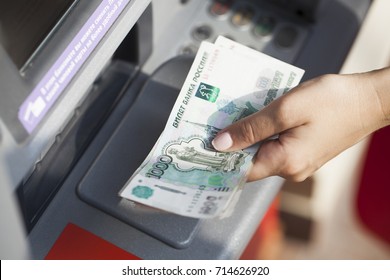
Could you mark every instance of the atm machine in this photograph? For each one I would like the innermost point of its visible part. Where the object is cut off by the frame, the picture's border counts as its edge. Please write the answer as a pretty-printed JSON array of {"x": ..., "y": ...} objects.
[{"x": 86, "y": 88}]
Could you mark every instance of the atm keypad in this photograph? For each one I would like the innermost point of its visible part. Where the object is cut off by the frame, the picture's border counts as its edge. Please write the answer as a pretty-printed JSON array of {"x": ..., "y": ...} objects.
[{"x": 247, "y": 22}]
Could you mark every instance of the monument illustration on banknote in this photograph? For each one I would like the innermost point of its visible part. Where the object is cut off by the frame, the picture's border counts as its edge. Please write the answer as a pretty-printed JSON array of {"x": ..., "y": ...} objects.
[
  {"x": 183, "y": 173},
  {"x": 193, "y": 154}
]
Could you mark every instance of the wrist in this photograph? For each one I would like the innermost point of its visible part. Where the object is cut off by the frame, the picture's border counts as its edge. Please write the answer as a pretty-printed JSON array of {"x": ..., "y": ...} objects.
[{"x": 380, "y": 82}]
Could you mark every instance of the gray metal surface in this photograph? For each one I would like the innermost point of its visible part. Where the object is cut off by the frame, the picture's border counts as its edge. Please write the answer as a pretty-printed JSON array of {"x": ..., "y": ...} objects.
[
  {"x": 13, "y": 241},
  {"x": 322, "y": 43},
  {"x": 36, "y": 192},
  {"x": 125, "y": 152},
  {"x": 21, "y": 152}
]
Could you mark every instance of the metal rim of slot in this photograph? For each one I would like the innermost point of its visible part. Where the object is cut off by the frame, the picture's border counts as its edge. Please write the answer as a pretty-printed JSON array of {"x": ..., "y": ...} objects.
[
  {"x": 188, "y": 49},
  {"x": 243, "y": 16},
  {"x": 286, "y": 36},
  {"x": 202, "y": 32},
  {"x": 220, "y": 9},
  {"x": 264, "y": 26}
]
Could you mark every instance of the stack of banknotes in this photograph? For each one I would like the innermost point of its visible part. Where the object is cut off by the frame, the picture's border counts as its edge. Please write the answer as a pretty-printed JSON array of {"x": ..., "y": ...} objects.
[{"x": 183, "y": 173}]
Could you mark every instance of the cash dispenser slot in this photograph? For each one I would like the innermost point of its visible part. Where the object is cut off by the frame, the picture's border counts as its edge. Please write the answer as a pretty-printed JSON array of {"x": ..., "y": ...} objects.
[
  {"x": 123, "y": 154},
  {"x": 37, "y": 190}
]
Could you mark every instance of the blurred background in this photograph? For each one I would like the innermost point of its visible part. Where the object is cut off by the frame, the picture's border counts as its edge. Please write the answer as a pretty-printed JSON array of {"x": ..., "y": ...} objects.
[{"x": 341, "y": 212}]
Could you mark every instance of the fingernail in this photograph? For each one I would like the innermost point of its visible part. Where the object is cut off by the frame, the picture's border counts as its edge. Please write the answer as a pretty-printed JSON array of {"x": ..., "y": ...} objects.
[{"x": 222, "y": 142}]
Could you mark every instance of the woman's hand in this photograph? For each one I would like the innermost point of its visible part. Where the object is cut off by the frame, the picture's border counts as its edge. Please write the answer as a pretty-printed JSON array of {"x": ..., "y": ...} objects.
[{"x": 315, "y": 121}]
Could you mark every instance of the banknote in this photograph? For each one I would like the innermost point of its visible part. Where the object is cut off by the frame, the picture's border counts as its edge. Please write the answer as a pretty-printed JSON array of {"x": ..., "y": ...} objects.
[{"x": 183, "y": 173}]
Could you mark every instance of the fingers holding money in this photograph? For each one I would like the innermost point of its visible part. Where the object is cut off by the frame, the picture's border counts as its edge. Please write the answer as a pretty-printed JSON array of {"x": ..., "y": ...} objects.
[
  {"x": 274, "y": 119},
  {"x": 287, "y": 156},
  {"x": 276, "y": 156}
]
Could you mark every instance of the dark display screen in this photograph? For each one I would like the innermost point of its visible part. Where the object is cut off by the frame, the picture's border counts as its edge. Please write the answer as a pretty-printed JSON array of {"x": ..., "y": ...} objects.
[{"x": 24, "y": 25}]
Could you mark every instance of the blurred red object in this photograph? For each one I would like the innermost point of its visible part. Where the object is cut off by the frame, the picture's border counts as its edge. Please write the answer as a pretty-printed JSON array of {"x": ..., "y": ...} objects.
[
  {"x": 373, "y": 196},
  {"x": 266, "y": 241},
  {"x": 75, "y": 243}
]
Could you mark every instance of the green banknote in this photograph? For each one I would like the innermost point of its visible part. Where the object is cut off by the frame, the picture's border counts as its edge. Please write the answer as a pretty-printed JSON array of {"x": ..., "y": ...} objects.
[{"x": 183, "y": 173}]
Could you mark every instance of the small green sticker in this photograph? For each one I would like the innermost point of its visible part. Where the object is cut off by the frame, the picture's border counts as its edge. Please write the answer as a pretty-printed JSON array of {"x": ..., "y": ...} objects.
[
  {"x": 207, "y": 92},
  {"x": 142, "y": 192}
]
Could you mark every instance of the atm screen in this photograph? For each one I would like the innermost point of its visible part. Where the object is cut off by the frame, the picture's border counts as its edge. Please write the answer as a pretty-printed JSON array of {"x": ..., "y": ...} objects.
[
  {"x": 43, "y": 46},
  {"x": 25, "y": 24}
]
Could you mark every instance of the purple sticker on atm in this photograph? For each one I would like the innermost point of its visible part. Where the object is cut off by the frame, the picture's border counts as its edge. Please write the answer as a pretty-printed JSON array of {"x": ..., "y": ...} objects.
[{"x": 44, "y": 95}]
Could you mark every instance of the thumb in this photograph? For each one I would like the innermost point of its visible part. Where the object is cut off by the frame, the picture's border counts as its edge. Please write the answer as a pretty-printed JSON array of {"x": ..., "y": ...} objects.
[{"x": 252, "y": 129}]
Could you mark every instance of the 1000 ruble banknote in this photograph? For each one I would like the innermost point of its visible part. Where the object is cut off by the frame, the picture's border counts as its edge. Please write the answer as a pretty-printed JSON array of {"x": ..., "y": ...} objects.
[{"x": 183, "y": 173}]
